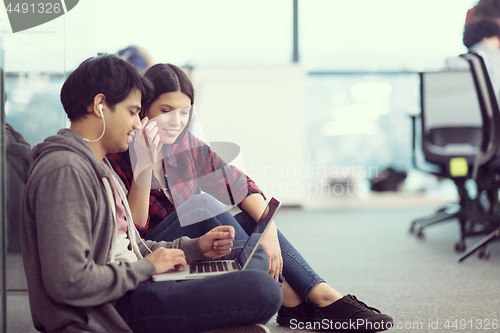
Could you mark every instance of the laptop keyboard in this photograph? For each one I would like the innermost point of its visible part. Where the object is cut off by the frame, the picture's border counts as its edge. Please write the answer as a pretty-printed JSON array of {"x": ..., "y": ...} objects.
[{"x": 208, "y": 267}]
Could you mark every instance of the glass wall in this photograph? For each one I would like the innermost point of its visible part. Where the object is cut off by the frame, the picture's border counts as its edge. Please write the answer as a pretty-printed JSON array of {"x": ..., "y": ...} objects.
[
  {"x": 200, "y": 32},
  {"x": 3, "y": 216},
  {"x": 358, "y": 125},
  {"x": 380, "y": 35}
]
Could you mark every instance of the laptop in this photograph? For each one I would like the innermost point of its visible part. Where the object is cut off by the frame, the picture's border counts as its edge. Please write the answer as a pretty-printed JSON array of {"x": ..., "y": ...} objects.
[{"x": 202, "y": 269}]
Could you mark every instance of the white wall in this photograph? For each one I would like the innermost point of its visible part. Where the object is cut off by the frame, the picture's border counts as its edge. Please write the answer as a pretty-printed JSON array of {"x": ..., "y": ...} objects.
[{"x": 261, "y": 110}]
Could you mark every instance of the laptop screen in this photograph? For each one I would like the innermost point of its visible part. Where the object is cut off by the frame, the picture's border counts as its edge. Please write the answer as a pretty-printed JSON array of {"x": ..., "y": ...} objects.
[{"x": 257, "y": 234}]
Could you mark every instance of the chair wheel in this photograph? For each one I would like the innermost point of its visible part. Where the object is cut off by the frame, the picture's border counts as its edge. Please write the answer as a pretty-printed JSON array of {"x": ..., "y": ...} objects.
[
  {"x": 460, "y": 246},
  {"x": 420, "y": 234},
  {"x": 412, "y": 229},
  {"x": 484, "y": 253}
]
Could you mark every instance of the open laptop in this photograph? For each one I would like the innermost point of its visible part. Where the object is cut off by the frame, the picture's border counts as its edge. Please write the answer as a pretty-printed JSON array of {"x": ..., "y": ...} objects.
[{"x": 202, "y": 269}]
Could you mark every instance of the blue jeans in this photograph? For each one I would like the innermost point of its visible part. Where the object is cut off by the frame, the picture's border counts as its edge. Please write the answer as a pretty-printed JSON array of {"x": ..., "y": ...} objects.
[
  {"x": 231, "y": 299},
  {"x": 296, "y": 270}
]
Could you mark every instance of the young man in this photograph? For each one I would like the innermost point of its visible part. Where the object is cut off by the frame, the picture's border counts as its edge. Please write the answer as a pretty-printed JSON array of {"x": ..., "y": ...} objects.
[{"x": 87, "y": 268}]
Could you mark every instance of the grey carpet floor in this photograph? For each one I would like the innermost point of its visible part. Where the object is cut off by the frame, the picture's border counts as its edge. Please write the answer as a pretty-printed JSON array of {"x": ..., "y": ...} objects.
[{"x": 369, "y": 253}]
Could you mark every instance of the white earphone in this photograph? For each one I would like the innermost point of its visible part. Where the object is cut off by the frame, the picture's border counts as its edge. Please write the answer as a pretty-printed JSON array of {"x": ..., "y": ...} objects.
[{"x": 103, "y": 126}]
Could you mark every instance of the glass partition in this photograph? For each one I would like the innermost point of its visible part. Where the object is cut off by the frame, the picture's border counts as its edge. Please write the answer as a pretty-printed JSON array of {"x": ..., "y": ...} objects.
[
  {"x": 200, "y": 32},
  {"x": 360, "y": 118},
  {"x": 380, "y": 35},
  {"x": 357, "y": 126},
  {"x": 3, "y": 229}
]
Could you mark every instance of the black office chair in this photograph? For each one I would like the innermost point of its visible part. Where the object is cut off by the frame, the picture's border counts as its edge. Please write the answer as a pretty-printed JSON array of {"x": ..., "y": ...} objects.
[
  {"x": 486, "y": 170},
  {"x": 450, "y": 134}
]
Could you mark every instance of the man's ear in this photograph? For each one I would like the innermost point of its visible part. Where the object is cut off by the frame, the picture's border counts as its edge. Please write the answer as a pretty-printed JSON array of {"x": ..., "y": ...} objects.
[{"x": 98, "y": 105}]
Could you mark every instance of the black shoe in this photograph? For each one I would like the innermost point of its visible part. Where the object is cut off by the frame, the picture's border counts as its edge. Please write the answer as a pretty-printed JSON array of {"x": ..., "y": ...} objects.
[
  {"x": 346, "y": 314},
  {"x": 303, "y": 312}
]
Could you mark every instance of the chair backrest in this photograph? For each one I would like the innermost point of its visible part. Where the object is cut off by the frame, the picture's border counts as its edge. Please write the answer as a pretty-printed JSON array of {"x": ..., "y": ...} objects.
[
  {"x": 452, "y": 125},
  {"x": 490, "y": 112}
]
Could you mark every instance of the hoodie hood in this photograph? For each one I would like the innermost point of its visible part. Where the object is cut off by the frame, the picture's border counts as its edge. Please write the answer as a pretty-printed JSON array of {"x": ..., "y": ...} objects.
[
  {"x": 19, "y": 157},
  {"x": 68, "y": 140}
]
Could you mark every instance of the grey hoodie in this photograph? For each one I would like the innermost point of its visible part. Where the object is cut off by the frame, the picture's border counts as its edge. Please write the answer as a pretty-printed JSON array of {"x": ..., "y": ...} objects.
[
  {"x": 19, "y": 158},
  {"x": 67, "y": 233}
]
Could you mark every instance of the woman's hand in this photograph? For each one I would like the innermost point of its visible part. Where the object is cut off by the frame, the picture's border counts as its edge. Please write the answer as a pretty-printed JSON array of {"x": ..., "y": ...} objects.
[
  {"x": 272, "y": 246},
  {"x": 143, "y": 149},
  {"x": 217, "y": 242}
]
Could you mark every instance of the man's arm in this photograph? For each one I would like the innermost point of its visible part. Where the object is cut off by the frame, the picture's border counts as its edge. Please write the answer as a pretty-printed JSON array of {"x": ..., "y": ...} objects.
[
  {"x": 213, "y": 244},
  {"x": 189, "y": 246},
  {"x": 71, "y": 225}
]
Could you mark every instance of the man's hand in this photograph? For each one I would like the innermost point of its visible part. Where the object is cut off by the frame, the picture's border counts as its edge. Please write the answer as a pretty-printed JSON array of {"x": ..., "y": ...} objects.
[
  {"x": 272, "y": 246},
  {"x": 217, "y": 242},
  {"x": 164, "y": 259}
]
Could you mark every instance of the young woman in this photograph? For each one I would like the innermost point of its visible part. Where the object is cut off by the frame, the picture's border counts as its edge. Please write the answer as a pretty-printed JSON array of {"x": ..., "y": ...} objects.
[{"x": 182, "y": 167}]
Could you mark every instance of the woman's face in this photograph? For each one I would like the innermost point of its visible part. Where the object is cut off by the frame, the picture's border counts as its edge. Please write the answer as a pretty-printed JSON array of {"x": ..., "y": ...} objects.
[{"x": 171, "y": 112}]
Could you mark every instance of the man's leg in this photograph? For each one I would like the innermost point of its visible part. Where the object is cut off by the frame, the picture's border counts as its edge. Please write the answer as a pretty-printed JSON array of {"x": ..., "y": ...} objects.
[{"x": 226, "y": 300}]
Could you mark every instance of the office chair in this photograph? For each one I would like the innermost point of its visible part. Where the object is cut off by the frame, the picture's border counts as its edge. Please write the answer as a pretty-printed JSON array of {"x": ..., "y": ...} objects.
[
  {"x": 450, "y": 134},
  {"x": 486, "y": 169}
]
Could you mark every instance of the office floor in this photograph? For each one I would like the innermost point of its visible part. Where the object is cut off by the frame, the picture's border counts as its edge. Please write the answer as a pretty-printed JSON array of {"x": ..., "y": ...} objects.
[{"x": 369, "y": 253}]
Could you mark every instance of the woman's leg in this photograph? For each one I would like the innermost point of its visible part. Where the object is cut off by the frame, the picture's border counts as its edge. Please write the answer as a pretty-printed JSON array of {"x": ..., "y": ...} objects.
[
  {"x": 232, "y": 299},
  {"x": 302, "y": 282},
  {"x": 202, "y": 207},
  {"x": 205, "y": 208},
  {"x": 323, "y": 302}
]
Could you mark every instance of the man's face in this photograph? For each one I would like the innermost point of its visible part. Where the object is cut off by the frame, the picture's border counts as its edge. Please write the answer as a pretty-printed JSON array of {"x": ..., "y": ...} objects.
[{"x": 121, "y": 121}]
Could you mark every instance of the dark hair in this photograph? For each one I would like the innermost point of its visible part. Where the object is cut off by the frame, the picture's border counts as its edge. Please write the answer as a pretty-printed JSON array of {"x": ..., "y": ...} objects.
[
  {"x": 486, "y": 8},
  {"x": 107, "y": 74},
  {"x": 478, "y": 29},
  {"x": 167, "y": 78}
]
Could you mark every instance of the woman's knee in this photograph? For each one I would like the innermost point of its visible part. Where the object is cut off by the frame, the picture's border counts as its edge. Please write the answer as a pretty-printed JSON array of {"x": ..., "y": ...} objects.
[
  {"x": 205, "y": 200},
  {"x": 207, "y": 205},
  {"x": 260, "y": 260}
]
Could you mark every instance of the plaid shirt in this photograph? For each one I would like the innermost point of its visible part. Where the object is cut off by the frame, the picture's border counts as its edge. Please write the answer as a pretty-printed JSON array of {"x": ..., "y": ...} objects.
[{"x": 189, "y": 167}]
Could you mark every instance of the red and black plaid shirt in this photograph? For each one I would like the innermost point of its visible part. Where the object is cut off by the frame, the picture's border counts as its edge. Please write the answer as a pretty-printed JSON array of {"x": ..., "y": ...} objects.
[{"x": 189, "y": 167}]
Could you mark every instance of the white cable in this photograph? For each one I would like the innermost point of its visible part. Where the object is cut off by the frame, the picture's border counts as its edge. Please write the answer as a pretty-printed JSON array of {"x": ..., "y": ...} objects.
[{"x": 102, "y": 134}]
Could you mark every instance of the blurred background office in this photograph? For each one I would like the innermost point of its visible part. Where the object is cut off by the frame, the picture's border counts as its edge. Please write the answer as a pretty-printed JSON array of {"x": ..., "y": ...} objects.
[
  {"x": 316, "y": 93},
  {"x": 331, "y": 88}
]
